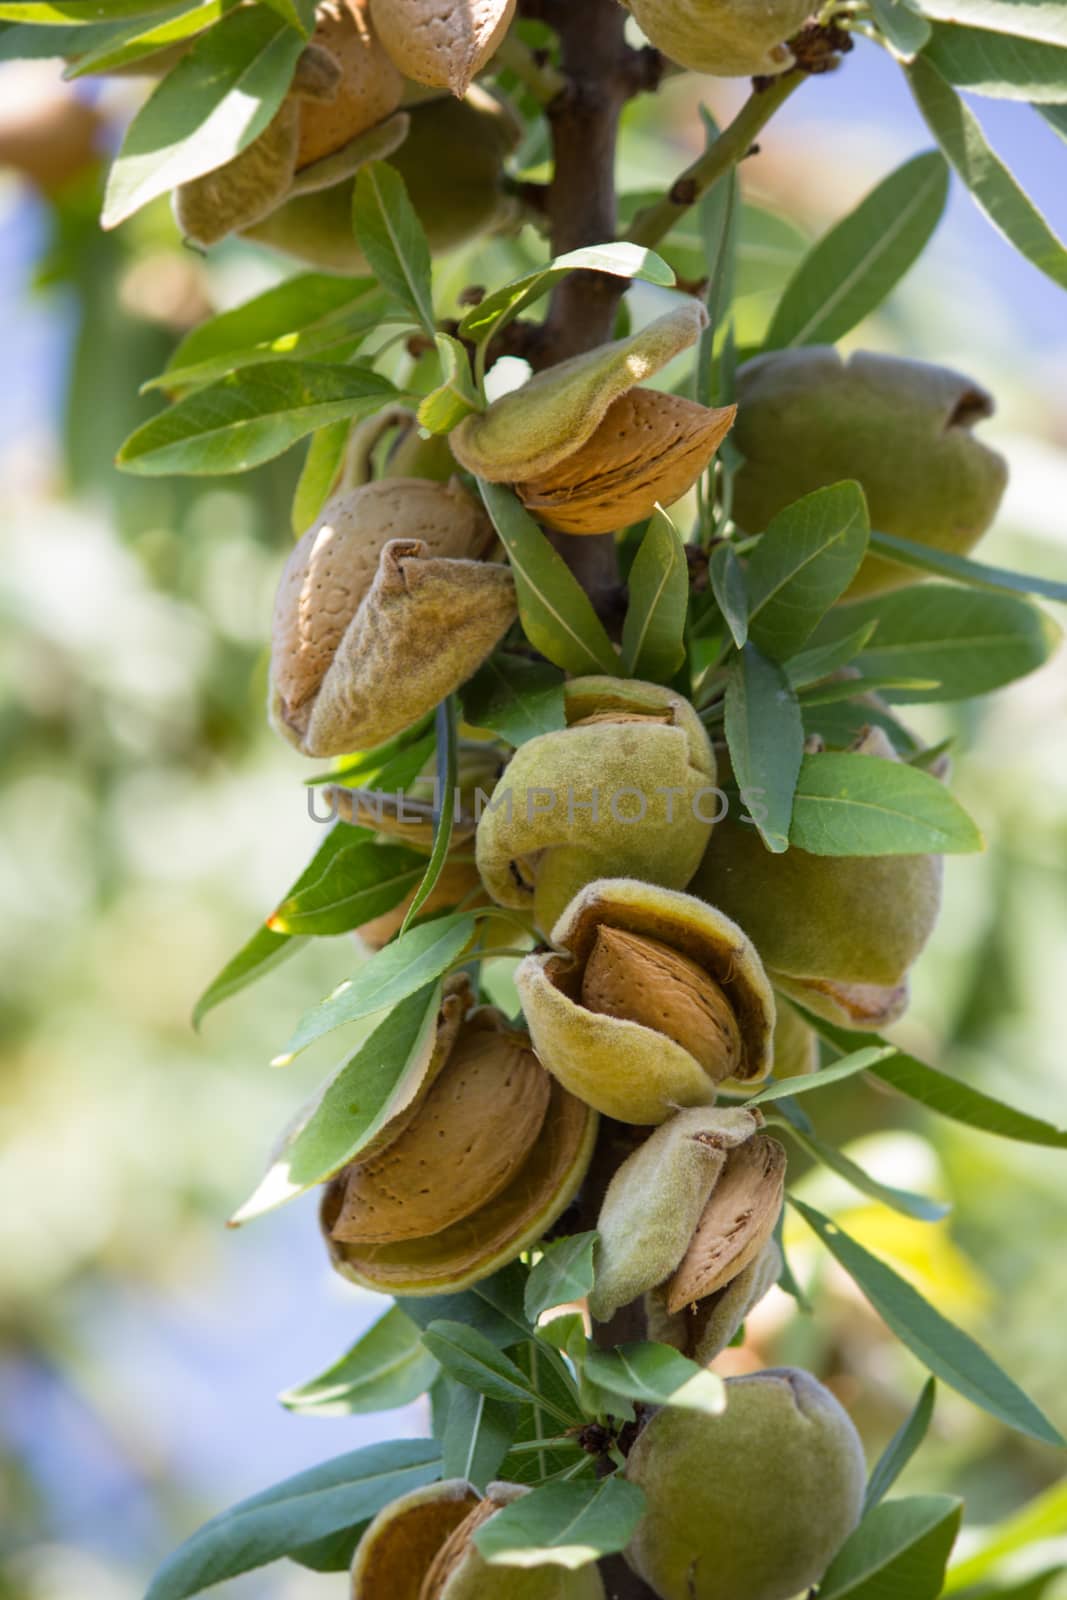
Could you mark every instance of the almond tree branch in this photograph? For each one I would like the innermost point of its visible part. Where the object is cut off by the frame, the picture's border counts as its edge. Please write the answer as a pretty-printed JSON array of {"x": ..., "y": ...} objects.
[{"x": 653, "y": 224}]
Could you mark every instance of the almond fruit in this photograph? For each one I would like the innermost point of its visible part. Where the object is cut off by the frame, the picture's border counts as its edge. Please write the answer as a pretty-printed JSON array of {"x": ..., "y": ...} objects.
[
  {"x": 649, "y": 449},
  {"x": 370, "y": 85},
  {"x": 471, "y": 1135},
  {"x": 644, "y": 980},
  {"x": 736, "y": 1224},
  {"x": 443, "y": 43}
]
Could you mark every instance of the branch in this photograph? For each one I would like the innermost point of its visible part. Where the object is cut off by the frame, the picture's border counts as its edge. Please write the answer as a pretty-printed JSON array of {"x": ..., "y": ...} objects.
[{"x": 653, "y": 224}]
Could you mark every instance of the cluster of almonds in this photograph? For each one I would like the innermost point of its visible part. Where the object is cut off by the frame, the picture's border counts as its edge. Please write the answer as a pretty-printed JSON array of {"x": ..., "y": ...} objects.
[
  {"x": 672, "y": 942},
  {"x": 392, "y": 78}
]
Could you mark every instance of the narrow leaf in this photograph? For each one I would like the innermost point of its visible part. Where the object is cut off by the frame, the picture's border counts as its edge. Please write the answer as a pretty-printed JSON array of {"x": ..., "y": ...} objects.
[
  {"x": 392, "y": 240},
  {"x": 657, "y": 1375},
  {"x": 1031, "y": 19},
  {"x": 218, "y": 98},
  {"x": 805, "y": 561},
  {"x": 905, "y": 1201},
  {"x": 1042, "y": 1518},
  {"x": 357, "y": 884},
  {"x": 653, "y": 634},
  {"x": 621, "y": 259},
  {"x": 901, "y": 1447},
  {"x": 322, "y": 464},
  {"x": 448, "y": 772},
  {"x": 948, "y": 1352},
  {"x": 456, "y": 396},
  {"x": 328, "y": 1499},
  {"x": 477, "y": 1436},
  {"x": 564, "y": 1273},
  {"x": 858, "y": 1061},
  {"x": 387, "y": 1367},
  {"x": 368, "y": 1090},
  {"x": 928, "y": 559},
  {"x": 939, "y": 1092},
  {"x": 959, "y": 133},
  {"x": 855, "y": 805},
  {"x": 901, "y": 1548},
  {"x": 727, "y": 579},
  {"x": 811, "y": 666},
  {"x": 252, "y": 416},
  {"x": 556, "y": 614},
  {"x": 904, "y": 28},
  {"x": 515, "y": 697},
  {"x": 996, "y": 64},
  {"x": 765, "y": 735},
  {"x": 472, "y": 1359},
  {"x": 493, "y": 1307},
  {"x": 850, "y": 271},
  {"x": 145, "y": 37},
  {"x": 563, "y": 1524},
  {"x": 396, "y": 972}
]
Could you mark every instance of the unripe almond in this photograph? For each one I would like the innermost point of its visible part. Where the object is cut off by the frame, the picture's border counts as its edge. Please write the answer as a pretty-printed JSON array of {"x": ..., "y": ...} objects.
[
  {"x": 736, "y": 1224},
  {"x": 443, "y": 43},
  {"x": 649, "y": 449},
  {"x": 643, "y": 980},
  {"x": 370, "y": 85},
  {"x": 242, "y": 191},
  {"x": 470, "y": 1137}
]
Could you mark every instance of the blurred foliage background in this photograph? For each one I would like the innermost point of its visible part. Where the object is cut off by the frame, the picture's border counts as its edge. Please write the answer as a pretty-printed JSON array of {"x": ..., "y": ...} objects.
[{"x": 148, "y": 820}]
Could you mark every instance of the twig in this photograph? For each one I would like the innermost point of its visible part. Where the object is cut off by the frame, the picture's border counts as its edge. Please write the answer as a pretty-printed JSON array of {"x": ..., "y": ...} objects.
[{"x": 653, "y": 224}]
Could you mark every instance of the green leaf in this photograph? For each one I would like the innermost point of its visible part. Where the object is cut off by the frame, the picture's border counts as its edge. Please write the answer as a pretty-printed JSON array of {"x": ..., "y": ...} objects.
[
  {"x": 297, "y": 13},
  {"x": 905, "y": 1201},
  {"x": 855, "y": 805},
  {"x": 275, "y": 323},
  {"x": 901, "y": 1548},
  {"x": 904, "y": 28},
  {"x": 391, "y": 237},
  {"x": 517, "y": 698},
  {"x": 564, "y": 1272},
  {"x": 1055, "y": 116},
  {"x": 1040, "y": 1519},
  {"x": 263, "y": 952},
  {"x": 948, "y": 1096},
  {"x": 396, "y": 972},
  {"x": 927, "y": 559},
  {"x": 365, "y": 1093},
  {"x": 447, "y": 764},
  {"x": 766, "y": 740},
  {"x": 657, "y": 1375},
  {"x": 477, "y": 1436},
  {"x": 472, "y": 1359},
  {"x": 901, "y": 1447},
  {"x": 948, "y": 1352},
  {"x": 266, "y": 949},
  {"x": 966, "y": 640},
  {"x": 322, "y": 464},
  {"x": 996, "y": 64},
  {"x": 212, "y": 105},
  {"x": 357, "y": 884},
  {"x": 1030, "y": 19},
  {"x": 960, "y": 136},
  {"x": 858, "y": 1061},
  {"x": 805, "y": 561},
  {"x": 556, "y": 614},
  {"x": 563, "y": 1524},
  {"x": 653, "y": 634},
  {"x": 811, "y": 666},
  {"x": 727, "y": 578},
  {"x": 65, "y": 12},
  {"x": 387, "y": 1367},
  {"x": 456, "y": 397},
  {"x": 252, "y": 416},
  {"x": 622, "y": 260},
  {"x": 146, "y": 36},
  {"x": 494, "y": 1307},
  {"x": 313, "y": 1505},
  {"x": 850, "y": 271}
]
